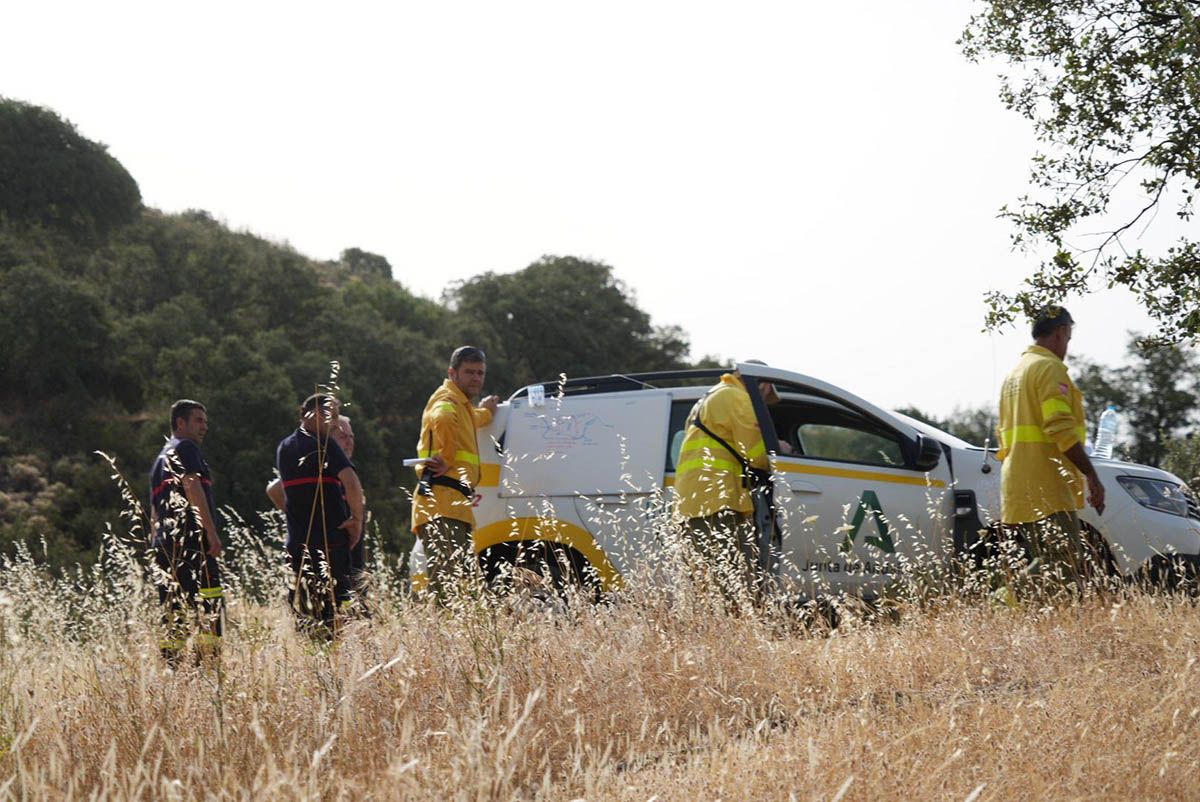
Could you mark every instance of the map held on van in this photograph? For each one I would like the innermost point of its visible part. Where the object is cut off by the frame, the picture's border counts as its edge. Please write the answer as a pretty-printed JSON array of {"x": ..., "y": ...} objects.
[
  {"x": 569, "y": 429},
  {"x": 587, "y": 445}
]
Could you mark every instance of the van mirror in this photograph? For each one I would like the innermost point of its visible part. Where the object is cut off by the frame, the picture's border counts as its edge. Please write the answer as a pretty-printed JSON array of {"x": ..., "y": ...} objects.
[{"x": 929, "y": 453}]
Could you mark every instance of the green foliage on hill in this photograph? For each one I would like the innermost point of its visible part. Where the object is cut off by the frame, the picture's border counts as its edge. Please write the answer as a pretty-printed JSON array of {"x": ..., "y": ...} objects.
[
  {"x": 52, "y": 175},
  {"x": 561, "y": 314},
  {"x": 109, "y": 312}
]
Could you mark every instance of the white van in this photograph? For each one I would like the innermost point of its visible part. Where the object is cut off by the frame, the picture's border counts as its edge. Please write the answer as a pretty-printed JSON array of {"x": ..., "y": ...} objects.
[{"x": 576, "y": 482}]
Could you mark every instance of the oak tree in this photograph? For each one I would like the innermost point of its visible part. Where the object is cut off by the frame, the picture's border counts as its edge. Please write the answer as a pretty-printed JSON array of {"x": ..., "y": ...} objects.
[{"x": 1112, "y": 88}]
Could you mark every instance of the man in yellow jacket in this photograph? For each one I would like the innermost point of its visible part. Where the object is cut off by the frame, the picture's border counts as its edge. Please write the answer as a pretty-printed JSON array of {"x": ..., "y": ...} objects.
[
  {"x": 721, "y": 440},
  {"x": 442, "y": 514},
  {"x": 1042, "y": 432}
]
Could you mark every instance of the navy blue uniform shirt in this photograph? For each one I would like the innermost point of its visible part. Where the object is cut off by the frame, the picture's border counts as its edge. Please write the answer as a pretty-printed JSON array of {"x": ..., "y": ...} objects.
[
  {"x": 316, "y": 500},
  {"x": 178, "y": 458}
]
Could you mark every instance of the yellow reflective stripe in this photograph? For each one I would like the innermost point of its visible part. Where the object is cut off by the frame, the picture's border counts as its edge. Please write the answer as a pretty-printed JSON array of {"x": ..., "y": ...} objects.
[
  {"x": 443, "y": 406},
  {"x": 211, "y": 593},
  {"x": 708, "y": 464},
  {"x": 696, "y": 443},
  {"x": 467, "y": 457},
  {"x": 1055, "y": 406},
  {"x": 1023, "y": 434},
  {"x": 425, "y": 453}
]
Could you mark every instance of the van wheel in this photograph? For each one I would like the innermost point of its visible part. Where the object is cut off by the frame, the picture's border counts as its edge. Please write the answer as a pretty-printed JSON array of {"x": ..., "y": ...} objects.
[
  {"x": 540, "y": 567},
  {"x": 985, "y": 548},
  {"x": 1178, "y": 573},
  {"x": 1100, "y": 560}
]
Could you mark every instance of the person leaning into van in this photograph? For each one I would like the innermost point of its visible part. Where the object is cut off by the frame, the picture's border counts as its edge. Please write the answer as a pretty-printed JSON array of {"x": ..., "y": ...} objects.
[
  {"x": 721, "y": 441},
  {"x": 1043, "y": 466},
  {"x": 442, "y": 513}
]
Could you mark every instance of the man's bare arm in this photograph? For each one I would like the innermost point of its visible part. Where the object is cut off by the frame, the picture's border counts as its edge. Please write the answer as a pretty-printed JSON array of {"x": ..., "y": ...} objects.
[
  {"x": 356, "y": 500},
  {"x": 275, "y": 493},
  {"x": 1095, "y": 490},
  {"x": 195, "y": 496}
]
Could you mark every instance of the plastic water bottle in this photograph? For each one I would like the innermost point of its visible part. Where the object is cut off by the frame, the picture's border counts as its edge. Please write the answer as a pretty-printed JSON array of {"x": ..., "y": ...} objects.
[{"x": 1106, "y": 432}]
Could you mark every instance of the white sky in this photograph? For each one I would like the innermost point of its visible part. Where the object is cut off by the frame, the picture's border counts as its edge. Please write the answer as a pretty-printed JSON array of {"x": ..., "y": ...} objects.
[{"x": 813, "y": 184}]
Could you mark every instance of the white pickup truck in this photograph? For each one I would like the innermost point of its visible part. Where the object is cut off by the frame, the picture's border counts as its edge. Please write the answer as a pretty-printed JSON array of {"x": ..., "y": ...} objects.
[{"x": 577, "y": 476}]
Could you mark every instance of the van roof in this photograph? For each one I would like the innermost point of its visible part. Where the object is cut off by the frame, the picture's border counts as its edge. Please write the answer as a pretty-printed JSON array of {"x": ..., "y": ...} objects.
[{"x": 619, "y": 382}]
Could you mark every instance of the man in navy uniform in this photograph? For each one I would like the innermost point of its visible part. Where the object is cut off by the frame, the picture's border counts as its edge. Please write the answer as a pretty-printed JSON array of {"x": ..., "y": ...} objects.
[
  {"x": 183, "y": 522},
  {"x": 323, "y": 502}
]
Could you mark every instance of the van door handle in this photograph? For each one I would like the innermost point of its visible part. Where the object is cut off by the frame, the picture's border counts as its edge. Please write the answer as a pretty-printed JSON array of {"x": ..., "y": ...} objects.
[{"x": 801, "y": 486}]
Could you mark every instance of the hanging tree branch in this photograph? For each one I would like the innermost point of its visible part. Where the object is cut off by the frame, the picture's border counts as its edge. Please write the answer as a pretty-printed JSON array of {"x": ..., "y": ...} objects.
[{"x": 1113, "y": 88}]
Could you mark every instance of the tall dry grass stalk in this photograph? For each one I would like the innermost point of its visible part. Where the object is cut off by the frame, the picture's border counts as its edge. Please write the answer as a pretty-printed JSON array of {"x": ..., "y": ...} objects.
[{"x": 661, "y": 693}]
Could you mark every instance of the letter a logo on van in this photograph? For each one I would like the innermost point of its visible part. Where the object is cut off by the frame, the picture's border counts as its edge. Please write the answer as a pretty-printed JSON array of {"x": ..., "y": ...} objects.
[{"x": 870, "y": 503}]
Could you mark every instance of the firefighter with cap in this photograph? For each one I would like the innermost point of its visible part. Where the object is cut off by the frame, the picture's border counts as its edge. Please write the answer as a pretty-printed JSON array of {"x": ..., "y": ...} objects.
[
  {"x": 1044, "y": 468},
  {"x": 443, "y": 504},
  {"x": 722, "y": 444}
]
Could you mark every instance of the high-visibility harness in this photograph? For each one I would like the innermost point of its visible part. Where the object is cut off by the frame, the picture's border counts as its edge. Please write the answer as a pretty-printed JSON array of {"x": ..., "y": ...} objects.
[
  {"x": 751, "y": 476},
  {"x": 428, "y": 480}
]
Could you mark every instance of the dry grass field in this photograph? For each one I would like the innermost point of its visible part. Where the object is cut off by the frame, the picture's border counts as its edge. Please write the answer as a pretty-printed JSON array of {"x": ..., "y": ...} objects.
[{"x": 658, "y": 695}]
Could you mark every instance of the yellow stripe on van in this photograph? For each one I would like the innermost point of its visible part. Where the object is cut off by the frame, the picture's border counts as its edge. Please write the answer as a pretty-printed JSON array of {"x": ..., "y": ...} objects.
[
  {"x": 489, "y": 475},
  {"x": 845, "y": 473}
]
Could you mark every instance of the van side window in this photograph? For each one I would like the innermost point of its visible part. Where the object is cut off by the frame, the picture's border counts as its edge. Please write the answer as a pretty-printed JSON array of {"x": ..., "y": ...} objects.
[
  {"x": 679, "y": 413},
  {"x": 821, "y": 429},
  {"x": 847, "y": 443}
]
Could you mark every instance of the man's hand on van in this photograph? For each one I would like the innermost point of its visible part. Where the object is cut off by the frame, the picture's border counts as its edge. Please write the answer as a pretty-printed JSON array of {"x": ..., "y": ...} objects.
[{"x": 489, "y": 403}]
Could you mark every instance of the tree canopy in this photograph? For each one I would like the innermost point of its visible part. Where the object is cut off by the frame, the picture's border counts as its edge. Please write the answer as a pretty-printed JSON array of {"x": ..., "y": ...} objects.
[
  {"x": 1113, "y": 90},
  {"x": 561, "y": 314},
  {"x": 52, "y": 176},
  {"x": 1156, "y": 393}
]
